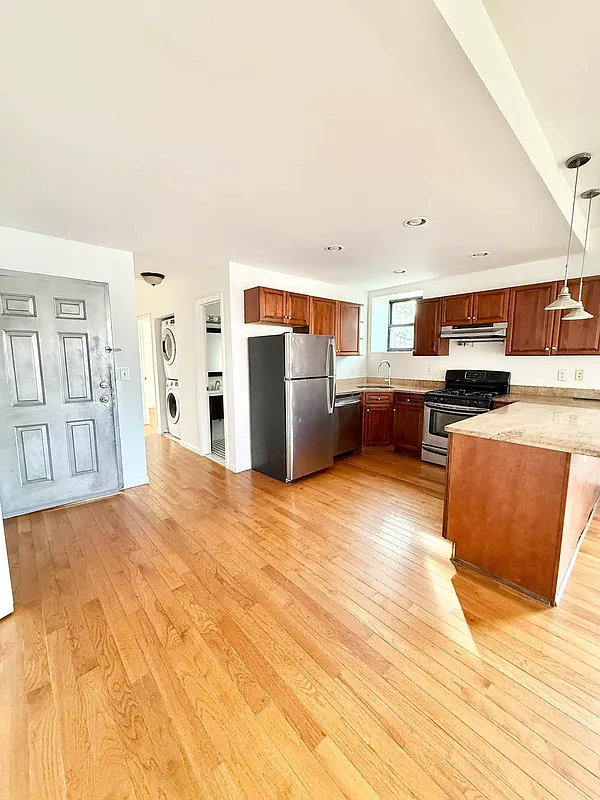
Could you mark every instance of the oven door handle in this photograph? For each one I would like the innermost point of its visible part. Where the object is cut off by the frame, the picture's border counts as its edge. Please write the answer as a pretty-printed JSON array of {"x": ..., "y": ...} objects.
[{"x": 458, "y": 409}]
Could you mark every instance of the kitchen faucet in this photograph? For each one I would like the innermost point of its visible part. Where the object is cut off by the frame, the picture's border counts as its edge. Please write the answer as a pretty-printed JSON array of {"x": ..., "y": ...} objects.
[{"x": 389, "y": 366}]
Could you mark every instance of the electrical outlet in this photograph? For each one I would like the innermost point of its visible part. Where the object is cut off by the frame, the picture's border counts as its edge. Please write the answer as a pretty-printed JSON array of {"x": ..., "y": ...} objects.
[
  {"x": 578, "y": 374},
  {"x": 429, "y": 369},
  {"x": 562, "y": 374},
  {"x": 124, "y": 373}
]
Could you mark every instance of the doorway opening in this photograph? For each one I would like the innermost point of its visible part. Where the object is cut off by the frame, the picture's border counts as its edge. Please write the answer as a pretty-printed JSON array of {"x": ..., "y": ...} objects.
[
  {"x": 211, "y": 378},
  {"x": 148, "y": 374}
]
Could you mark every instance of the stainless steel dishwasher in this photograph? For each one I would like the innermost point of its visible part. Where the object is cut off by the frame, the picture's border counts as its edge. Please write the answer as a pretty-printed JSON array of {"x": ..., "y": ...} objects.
[{"x": 347, "y": 424}]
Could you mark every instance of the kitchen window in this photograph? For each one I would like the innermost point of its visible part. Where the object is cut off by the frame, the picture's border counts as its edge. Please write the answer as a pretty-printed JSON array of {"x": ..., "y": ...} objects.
[{"x": 401, "y": 325}]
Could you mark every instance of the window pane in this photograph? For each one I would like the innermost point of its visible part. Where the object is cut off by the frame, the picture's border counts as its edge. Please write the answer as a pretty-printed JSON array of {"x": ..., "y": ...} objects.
[
  {"x": 402, "y": 338},
  {"x": 403, "y": 312}
]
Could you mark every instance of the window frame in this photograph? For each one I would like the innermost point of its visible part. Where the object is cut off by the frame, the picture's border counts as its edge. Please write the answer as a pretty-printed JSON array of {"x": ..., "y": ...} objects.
[{"x": 406, "y": 325}]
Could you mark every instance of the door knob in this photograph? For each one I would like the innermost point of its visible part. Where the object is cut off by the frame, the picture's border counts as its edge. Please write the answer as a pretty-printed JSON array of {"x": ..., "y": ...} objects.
[
  {"x": 103, "y": 385},
  {"x": 105, "y": 398}
]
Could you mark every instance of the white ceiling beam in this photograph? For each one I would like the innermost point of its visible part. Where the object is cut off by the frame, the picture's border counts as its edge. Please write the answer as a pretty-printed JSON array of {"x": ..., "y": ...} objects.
[{"x": 474, "y": 31}]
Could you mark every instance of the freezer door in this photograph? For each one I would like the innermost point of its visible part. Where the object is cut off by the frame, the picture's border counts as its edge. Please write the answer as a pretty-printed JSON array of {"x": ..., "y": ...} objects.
[
  {"x": 309, "y": 426},
  {"x": 308, "y": 355}
]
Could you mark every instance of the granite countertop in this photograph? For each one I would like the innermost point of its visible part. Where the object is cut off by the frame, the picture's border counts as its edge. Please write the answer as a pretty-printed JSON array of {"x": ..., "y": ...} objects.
[
  {"x": 555, "y": 426},
  {"x": 537, "y": 399},
  {"x": 363, "y": 386}
]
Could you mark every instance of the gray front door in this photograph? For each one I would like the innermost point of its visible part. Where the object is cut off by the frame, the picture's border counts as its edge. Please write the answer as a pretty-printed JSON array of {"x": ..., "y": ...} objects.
[{"x": 57, "y": 398}]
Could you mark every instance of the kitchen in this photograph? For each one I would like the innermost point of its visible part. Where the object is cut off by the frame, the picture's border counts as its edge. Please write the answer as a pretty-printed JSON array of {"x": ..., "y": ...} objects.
[{"x": 418, "y": 417}]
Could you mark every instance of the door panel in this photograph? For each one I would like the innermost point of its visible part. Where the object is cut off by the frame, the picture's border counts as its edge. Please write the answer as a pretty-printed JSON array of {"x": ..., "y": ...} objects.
[
  {"x": 427, "y": 329},
  {"x": 309, "y": 426},
  {"x": 297, "y": 309},
  {"x": 492, "y": 306},
  {"x": 75, "y": 364},
  {"x": 306, "y": 356},
  {"x": 348, "y": 328},
  {"x": 57, "y": 442},
  {"x": 457, "y": 309},
  {"x": 24, "y": 367},
  {"x": 582, "y": 336},
  {"x": 33, "y": 447},
  {"x": 529, "y": 325},
  {"x": 322, "y": 316}
]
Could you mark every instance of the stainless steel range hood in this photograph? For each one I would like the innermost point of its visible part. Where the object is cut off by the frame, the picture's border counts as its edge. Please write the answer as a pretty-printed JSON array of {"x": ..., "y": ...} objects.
[{"x": 475, "y": 333}]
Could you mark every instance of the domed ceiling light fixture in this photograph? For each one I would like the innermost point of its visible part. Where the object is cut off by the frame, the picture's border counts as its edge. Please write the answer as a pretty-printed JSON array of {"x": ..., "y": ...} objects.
[
  {"x": 579, "y": 311},
  {"x": 564, "y": 299},
  {"x": 153, "y": 278}
]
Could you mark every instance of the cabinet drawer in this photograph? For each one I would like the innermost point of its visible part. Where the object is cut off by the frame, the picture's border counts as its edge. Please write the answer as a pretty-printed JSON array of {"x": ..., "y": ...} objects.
[
  {"x": 409, "y": 397},
  {"x": 378, "y": 398}
]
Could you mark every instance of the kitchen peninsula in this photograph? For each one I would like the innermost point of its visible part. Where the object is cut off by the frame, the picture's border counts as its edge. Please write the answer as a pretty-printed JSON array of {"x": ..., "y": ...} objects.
[{"x": 523, "y": 483}]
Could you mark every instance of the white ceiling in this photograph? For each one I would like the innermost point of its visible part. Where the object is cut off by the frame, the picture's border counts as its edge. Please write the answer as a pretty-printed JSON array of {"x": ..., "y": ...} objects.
[
  {"x": 201, "y": 132},
  {"x": 553, "y": 47}
]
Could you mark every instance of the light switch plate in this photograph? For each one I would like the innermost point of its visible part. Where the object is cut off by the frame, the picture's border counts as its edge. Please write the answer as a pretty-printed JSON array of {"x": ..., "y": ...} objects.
[
  {"x": 562, "y": 374},
  {"x": 124, "y": 373},
  {"x": 578, "y": 374}
]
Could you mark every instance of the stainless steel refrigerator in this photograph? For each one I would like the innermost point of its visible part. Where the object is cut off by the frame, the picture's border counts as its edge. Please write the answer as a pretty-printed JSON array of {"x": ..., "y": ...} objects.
[{"x": 292, "y": 395}]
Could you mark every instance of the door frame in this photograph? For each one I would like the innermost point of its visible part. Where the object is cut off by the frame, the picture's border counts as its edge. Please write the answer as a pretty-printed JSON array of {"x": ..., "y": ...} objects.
[
  {"x": 142, "y": 319},
  {"x": 202, "y": 373},
  {"x": 113, "y": 377}
]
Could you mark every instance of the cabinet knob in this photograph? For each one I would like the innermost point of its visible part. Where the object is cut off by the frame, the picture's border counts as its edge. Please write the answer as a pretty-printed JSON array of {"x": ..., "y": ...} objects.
[
  {"x": 554, "y": 348},
  {"x": 408, "y": 399},
  {"x": 468, "y": 317},
  {"x": 368, "y": 409},
  {"x": 547, "y": 348},
  {"x": 379, "y": 398},
  {"x": 393, "y": 409}
]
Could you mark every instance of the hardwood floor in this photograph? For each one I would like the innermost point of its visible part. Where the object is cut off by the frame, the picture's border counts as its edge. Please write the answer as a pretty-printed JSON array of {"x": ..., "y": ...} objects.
[{"x": 214, "y": 635}]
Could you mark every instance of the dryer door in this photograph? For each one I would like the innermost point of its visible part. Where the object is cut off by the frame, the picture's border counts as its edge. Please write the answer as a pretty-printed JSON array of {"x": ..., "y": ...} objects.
[{"x": 169, "y": 348}]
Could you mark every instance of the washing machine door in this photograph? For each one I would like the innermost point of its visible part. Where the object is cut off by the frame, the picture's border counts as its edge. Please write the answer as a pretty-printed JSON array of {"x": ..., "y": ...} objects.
[
  {"x": 169, "y": 347},
  {"x": 173, "y": 406}
]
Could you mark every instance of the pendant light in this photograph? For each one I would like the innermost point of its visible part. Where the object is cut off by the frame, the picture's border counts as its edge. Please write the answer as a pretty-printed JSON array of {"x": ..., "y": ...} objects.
[
  {"x": 579, "y": 311},
  {"x": 564, "y": 299}
]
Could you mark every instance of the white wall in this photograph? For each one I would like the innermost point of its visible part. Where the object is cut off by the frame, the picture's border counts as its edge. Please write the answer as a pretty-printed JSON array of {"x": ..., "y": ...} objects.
[
  {"x": 32, "y": 252},
  {"x": 525, "y": 370},
  {"x": 6, "y": 597},
  {"x": 242, "y": 276},
  {"x": 178, "y": 295}
]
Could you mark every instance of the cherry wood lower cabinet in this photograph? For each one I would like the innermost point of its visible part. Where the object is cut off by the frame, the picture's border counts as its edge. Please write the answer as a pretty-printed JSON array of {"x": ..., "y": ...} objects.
[
  {"x": 428, "y": 322},
  {"x": 377, "y": 419},
  {"x": 407, "y": 426}
]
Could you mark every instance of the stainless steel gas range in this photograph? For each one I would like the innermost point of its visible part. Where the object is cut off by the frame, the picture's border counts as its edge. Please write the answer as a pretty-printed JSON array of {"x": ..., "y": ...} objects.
[{"x": 465, "y": 394}]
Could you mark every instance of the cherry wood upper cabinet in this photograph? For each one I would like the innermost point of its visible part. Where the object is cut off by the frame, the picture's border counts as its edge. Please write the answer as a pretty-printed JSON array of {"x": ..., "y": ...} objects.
[
  {"x": 530, "y": 328},
  {"x": 265, "y": 305},
  {"x": 348, "y": 329},
  {"x": 477, "y": 307},
  {"x": 297, "y": 309},
  {"x": 276, "y": 307},
  {"x": 489, "y": 307},
  {"x": 579, "y": 337},
  {"x": 322, "y": 316},
  {"x": 428, "y": 321},
  {"x": 457, "y": 309}
]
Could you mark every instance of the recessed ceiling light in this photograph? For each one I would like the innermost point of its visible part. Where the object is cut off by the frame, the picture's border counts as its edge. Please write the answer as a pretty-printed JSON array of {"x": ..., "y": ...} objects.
[
  {"x": 399, "y": 271},
  {"x": 480, "y": 254},
  {"x": 415, "y": 222},
  {"x": 334, "y": 248}
]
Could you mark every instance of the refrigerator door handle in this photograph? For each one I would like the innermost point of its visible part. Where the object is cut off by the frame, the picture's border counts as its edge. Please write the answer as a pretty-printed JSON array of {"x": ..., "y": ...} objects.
[{"x": 331, "y": 375}]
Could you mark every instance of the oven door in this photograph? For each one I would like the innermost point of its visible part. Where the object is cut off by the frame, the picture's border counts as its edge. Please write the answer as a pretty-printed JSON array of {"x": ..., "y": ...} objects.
[{"x": 436, "y": 418}]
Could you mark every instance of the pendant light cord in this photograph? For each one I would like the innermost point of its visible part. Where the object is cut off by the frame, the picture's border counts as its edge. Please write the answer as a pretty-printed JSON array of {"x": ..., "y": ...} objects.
[
  {"x": 571, "y": 228},
  {"x": 587, "y": 230}
]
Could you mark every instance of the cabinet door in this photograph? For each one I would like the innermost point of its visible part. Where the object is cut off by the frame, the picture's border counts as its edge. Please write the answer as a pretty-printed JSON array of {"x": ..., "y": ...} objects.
[
  {"x": 491, "y": 306},
  {"x": 427, "y": 329},
  {"x": 322, "y": 316},
  {"x": 272, "y": 305},
  {"x": 297, "y": 309},
  {"x": 580, "y": 337},
  {"x": 377, "y": 425},
  {"x": 457, "y": 309},
  {"x": 529, "y": 326},
  {"x": 348, "y": 329},
  {"x": 408, "y": 427}
]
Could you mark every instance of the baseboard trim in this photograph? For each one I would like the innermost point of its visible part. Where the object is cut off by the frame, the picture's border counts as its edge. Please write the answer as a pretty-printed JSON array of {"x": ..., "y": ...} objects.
[{"x": 191, "y": 447}]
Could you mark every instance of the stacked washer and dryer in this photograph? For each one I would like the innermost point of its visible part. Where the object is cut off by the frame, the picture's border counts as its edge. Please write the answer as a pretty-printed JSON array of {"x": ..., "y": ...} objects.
[{"x": 169, "y": 353}]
